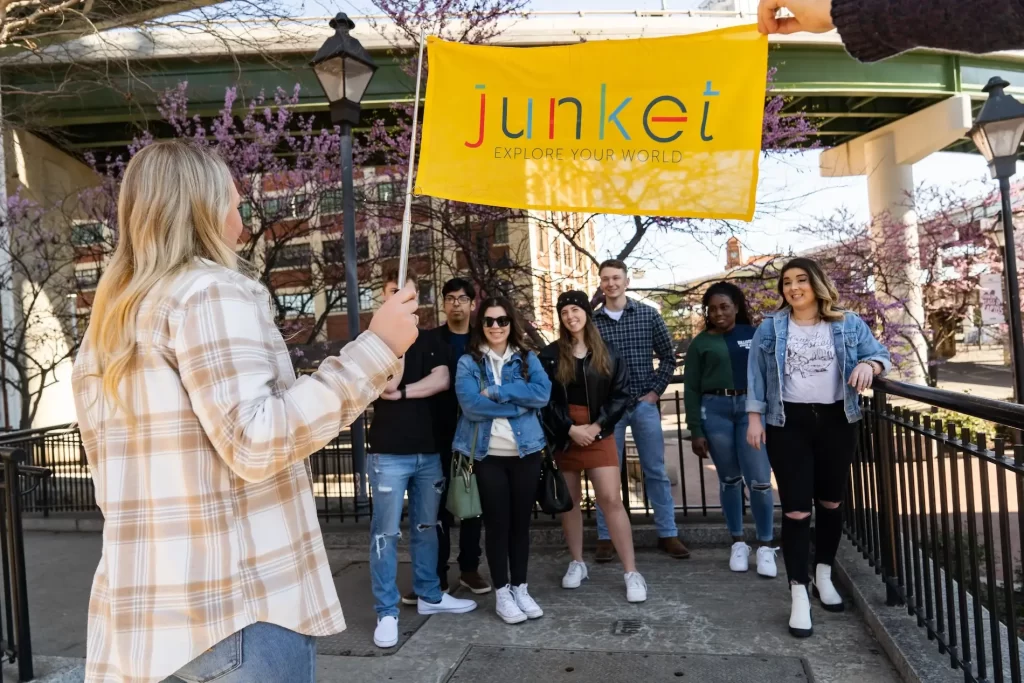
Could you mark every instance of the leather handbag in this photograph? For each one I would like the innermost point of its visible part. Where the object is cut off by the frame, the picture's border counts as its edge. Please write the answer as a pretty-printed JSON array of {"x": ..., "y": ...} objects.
[
  {"x": 552, "y": 491},
  {"x": 463, "y": 493}
]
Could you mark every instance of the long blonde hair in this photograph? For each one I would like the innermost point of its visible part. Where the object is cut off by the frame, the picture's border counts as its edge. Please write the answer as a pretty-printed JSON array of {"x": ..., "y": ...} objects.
[
  {"x": 173, "y": 204},
  {"x": 825, "y": 291}
]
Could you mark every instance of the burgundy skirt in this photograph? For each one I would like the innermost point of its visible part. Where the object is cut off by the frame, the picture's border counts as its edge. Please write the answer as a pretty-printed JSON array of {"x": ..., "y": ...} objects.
[{"x": 602, "y": 453}]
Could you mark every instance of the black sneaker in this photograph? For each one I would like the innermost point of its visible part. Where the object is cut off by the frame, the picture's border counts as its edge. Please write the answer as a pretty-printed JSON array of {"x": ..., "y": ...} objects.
[{"x": 412, "y": 599}]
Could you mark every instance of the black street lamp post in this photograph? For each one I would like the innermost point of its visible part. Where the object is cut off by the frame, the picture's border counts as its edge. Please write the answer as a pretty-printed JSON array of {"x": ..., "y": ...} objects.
[
  {"x": 344, "y": 69},
  {"x": 997, "y": 133}
]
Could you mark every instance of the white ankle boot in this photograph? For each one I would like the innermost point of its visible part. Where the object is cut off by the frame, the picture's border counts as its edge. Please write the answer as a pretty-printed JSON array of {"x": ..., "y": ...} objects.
[
  {"x": 825, "y": 591},
  {"x": 800, "y": 614}
]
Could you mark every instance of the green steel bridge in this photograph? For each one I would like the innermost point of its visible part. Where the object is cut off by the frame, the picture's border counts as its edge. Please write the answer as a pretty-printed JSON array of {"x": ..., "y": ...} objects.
[{"x": 96, "y": 94}]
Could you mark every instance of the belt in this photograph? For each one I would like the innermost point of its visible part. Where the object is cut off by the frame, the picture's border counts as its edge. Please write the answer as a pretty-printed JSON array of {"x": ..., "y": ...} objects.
[{"x": 726, "y": 392}]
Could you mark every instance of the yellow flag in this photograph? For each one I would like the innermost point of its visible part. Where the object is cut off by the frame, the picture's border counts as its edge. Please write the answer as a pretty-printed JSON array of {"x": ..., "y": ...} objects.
[{"x": 659, "y": 126}]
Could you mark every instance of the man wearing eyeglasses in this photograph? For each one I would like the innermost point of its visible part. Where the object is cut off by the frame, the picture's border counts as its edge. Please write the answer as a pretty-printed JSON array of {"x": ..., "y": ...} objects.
[{"x": 459, "y": 297}]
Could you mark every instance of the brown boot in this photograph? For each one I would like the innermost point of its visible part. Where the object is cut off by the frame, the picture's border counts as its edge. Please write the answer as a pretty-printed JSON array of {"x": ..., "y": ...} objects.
[
  {"x": 474, "y": 582},
  {"x": 605, "y": 552},
  {"x": 674, "y": 547}
]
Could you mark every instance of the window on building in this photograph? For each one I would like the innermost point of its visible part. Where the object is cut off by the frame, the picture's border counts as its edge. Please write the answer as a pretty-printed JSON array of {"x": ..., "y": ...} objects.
[
  {"x": 426, "y": 290},
  {"x": 419, "y": 241},
  {"x": 336, "y": 300},
  {"x": 390, "y": 244},
  {"x": 362, "y": 247},
  {"x": 295, "y": 304},
  {"x": 386, "y": 192},
  {"x": 245, "y": 209},
  {"x": 291, "y": 256},
  {"x": 567, "y": 255},
  {"x": 86, "y": 234},
  {"x": 501, "y": 232},
  {"x": 481, "y": 244},
  {"x": 301, "y": 206},
  {"x": 87, "y": 278},
  {"x": 555, "y": 248},
  {"x": 274, "y": 209},
  {"x": 365, "y": 299},
  {"x": 331, "y": 201},
  {"x": 542, "y": 239},
  {"x": 334, "y": 251}
]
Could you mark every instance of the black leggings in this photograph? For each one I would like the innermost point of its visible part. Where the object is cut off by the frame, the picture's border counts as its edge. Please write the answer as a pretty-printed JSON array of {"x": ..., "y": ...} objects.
[
  {"x": 811, "y": 457},
  {"x": 508, "y": 490}
]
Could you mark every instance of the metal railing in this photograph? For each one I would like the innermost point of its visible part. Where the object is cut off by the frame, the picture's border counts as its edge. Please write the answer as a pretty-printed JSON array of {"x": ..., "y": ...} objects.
[
  {"x": 341, "y": 492},
  {"x": 938, "y": 509},
  {"x": 15, "y": 634}
]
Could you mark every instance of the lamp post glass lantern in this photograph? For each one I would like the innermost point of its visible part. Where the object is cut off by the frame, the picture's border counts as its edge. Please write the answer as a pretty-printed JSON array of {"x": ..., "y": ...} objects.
[
  {"x": 997, "y": 133},
  {"x": 345, "y": 69}
]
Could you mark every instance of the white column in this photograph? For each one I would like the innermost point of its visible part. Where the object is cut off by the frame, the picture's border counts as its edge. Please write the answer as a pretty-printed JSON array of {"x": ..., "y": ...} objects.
[{"x": 891, "y": 202}]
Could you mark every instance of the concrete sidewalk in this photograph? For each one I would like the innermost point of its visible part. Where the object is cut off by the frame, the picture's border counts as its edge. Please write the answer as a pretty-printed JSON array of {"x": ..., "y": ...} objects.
[{"x": 695, "y": 607}]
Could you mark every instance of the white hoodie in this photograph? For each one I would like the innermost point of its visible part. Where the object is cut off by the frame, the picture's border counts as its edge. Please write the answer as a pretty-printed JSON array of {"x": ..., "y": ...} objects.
[{"x": 503, "y": 440}]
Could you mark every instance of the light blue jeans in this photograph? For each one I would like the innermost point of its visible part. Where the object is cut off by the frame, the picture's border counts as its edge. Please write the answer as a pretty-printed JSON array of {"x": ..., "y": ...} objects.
[
  {"x": 259, "y": 653},
  {"x": 724, "y": 419},
  {"x": 390, "y": 477},
  {"x": 645, "y": 422}
]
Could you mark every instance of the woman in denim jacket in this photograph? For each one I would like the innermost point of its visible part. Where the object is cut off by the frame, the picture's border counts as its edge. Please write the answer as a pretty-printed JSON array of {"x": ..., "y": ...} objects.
[
  {"x": 807, "y": 364},
  {"x": 501, "y": 386}
]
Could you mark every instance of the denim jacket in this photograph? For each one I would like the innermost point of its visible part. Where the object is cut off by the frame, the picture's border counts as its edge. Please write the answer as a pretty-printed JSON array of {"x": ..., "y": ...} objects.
[
  {"x": 766, "y": 365},
  {"x": 516, "y": 399}
]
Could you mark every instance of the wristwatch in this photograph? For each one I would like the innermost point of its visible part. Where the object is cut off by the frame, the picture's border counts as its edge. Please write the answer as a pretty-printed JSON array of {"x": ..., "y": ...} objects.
[{"x": 403, "y": 393}]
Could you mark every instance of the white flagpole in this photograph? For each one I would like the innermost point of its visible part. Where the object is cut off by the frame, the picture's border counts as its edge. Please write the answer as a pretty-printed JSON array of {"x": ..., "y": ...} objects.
[{"x": 403, "y": 262}]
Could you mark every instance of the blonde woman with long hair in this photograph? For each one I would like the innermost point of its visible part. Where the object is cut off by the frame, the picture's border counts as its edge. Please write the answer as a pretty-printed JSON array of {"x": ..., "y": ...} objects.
[
  {"x": 196, "y": 431},
  {"x": 808, "y": 362}
]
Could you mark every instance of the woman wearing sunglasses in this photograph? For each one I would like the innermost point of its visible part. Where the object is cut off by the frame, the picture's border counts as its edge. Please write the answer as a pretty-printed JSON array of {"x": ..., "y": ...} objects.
[{"x": 501, "y": 387}]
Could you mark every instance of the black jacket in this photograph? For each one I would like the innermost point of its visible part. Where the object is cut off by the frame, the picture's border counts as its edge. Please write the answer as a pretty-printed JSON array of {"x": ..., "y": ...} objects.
[{"x": 607, "y": 395}]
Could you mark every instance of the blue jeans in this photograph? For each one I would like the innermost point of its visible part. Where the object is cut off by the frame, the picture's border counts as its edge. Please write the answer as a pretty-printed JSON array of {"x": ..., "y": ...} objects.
[
  {"x": 724, "y": 419},
  {"x": 259, "y": 652},
  {"x": 390, "y": 477},
  {"x": 645, "y": 421}
]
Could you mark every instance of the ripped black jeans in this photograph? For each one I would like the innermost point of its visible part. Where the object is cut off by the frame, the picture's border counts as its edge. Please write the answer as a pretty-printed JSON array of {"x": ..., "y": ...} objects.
[{"x": 390, "y": 477}]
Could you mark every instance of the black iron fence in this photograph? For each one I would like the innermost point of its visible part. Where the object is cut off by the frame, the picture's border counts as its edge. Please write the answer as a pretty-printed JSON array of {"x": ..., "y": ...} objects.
[
  {"x": 15, "y": 634},
  {"x": 340, "y": 486},
  {"x": 937, "y": 508}
]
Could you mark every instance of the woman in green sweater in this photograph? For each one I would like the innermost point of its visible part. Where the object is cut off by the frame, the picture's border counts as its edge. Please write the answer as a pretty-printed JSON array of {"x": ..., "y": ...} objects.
[{"x": 716, "y": 414}]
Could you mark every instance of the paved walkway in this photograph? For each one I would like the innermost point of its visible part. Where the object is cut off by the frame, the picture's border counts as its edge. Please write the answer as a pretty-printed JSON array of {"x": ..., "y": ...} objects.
[{"x": 695, "y": 607}]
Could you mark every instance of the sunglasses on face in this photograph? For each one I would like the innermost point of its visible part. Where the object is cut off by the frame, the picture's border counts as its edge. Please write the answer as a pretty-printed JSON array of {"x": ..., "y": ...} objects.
[{"x": 500, "y": 321}]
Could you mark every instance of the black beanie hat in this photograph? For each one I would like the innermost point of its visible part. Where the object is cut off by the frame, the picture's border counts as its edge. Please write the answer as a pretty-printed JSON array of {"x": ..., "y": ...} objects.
[{"x": 574, "y": 298}]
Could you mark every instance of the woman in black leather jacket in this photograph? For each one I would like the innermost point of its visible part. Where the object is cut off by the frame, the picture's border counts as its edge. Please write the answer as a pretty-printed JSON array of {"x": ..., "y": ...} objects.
[{"x": 589, "y": 394}]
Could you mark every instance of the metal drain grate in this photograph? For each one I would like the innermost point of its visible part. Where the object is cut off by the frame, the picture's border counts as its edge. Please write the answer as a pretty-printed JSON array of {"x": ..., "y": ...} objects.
[
  {"x": 491, "y": 664},
  {"x": 627, "y": 627}
]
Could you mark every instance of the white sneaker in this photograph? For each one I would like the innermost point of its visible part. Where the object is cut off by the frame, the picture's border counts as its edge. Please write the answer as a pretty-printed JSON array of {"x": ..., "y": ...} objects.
[
  {"x": 386, "y": 633},
  {"x": 766, "y": 562},
  {"x": 636, "y": 587},
  {"x": 575, "y": 575},
  {"x": 825, "y": 591},
  {"x": 800, "y": 613},
  {"x": 527, "y": 604},
  {"x": 739, "y": 560},
  {"x": 507, "y": 608},
  {"x": 448, "y": 605}
]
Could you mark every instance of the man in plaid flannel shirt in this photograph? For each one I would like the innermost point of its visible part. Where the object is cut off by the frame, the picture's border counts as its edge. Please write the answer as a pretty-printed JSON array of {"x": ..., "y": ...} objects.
[{"x": 639, "y": 334}]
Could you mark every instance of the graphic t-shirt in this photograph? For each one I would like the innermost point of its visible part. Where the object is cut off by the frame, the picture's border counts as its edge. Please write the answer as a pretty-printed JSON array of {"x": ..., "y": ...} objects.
[{"x": 812, "y": 372}]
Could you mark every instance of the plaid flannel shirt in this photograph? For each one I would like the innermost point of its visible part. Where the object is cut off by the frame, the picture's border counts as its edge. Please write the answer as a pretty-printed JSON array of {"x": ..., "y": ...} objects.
[
  {"x": 210, "y": 521},
  {"x": 640, "y": 335}
]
